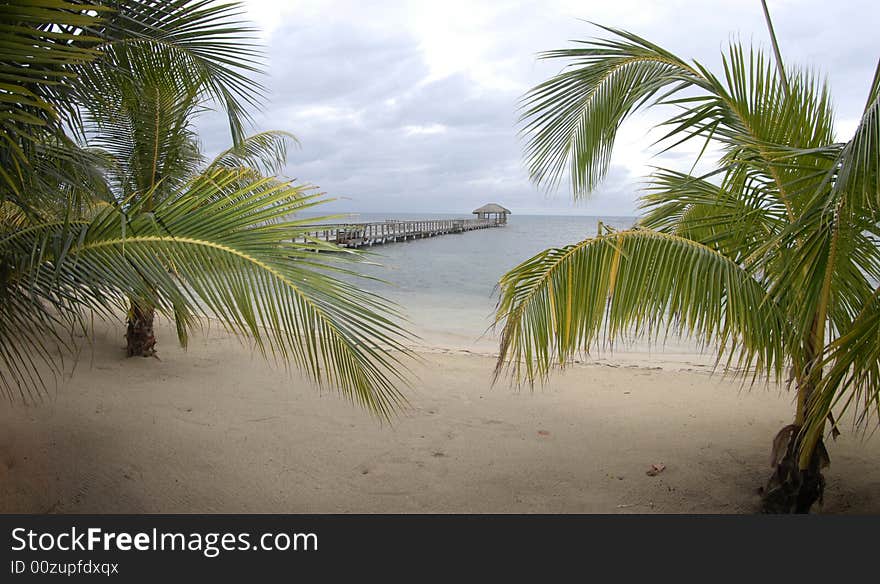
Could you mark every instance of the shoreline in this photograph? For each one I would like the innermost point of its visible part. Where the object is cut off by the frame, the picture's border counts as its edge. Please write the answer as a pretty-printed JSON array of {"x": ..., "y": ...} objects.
[{"x": 217, "y": 429}]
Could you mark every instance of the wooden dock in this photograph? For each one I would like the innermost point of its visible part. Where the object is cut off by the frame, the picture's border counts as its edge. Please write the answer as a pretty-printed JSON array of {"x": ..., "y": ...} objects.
[{"x": 369, "y": 234}]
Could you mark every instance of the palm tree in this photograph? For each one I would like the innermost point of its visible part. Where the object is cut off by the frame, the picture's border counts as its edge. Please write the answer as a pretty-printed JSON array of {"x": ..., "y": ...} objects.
[
  {"x": 771, "y": 257},
  {"x": 138, "y": 119},
  {"x": 135, "y": 221}
]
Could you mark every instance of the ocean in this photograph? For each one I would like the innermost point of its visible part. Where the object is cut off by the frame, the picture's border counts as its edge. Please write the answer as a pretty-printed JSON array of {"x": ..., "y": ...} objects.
[{"x": 445, "y": 285}]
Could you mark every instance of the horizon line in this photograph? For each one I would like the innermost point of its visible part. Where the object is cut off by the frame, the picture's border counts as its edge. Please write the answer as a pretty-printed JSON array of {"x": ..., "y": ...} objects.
[{"x": 513, "y": 213}]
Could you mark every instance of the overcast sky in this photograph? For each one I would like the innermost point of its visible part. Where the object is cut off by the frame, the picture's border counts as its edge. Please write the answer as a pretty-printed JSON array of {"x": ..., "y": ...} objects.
[{"x": 411, "y": 106}]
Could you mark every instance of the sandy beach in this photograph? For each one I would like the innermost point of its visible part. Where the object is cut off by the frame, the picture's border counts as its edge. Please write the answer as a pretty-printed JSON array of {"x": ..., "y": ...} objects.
[{"x": 216, "y": 429}]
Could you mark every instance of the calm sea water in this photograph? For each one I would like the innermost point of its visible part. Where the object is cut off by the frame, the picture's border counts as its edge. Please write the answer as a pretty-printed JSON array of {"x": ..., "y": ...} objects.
[{"x": 445, "y": 285}]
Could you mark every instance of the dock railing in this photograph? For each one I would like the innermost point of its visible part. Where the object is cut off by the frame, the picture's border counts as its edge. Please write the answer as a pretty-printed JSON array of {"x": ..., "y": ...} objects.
[{"x": 377, "y": 233}]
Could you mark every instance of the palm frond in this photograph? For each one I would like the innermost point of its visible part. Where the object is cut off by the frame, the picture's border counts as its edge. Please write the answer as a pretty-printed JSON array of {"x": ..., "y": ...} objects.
[
  {"x": 850, "y": 373},
  {"x": 202, "y": 43},
  {"x": 265, "y": 152},
  {"x": 634, "y": 283},
  {"x": 735, "y": 218},
  {"x": 571, "y": 120},
  {"x": 233, "y": 258},
  {"x": 146, "y": 129},
  {"x": 42, "y": 42},
  {"x": 859, "y": 161},
  {"x": 62, "y": 55}
]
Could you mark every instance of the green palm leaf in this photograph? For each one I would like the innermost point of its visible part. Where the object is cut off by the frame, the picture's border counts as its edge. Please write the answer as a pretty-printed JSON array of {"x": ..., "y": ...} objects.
[
  {"x": 735, "y": 218},
  {"x": 265, "y": 152},
  {"x": 201, "y": 43},
  {"x": 234, "y": 259},
  {"x": 571, "y": 120},
  {"x": 851, "y": 373},
  {"x": 61, "y": 55},
  {"x": 785, "y": 226},
  {"x": 633, "y": 283},
  {"x": 42, "y": 42}
]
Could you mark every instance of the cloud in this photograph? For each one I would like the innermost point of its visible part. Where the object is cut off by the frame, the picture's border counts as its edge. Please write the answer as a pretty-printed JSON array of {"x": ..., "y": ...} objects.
[{"x": 412, "y": 107}]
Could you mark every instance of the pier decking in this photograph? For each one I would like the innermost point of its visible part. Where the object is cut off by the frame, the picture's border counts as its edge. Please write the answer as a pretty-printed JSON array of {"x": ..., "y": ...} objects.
[{"x": 368, "y": 234}]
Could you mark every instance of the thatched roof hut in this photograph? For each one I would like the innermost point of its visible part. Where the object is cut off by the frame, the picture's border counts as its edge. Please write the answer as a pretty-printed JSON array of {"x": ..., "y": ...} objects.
[{"x": 487, "y": 211}]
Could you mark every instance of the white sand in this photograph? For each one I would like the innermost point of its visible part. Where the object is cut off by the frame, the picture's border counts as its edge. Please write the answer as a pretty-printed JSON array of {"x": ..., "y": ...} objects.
[{"x": 216, "y": 429}]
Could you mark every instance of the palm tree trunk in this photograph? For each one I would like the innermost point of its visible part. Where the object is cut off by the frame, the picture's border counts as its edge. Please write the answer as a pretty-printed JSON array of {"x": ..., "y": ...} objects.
[
  {"x": 139, "y": 336},
  {"x": 794, "y": 487}
]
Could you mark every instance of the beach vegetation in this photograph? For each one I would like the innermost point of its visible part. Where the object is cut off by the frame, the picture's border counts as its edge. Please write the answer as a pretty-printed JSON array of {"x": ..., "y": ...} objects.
[
  {"x": 108, "y": 207},
  {"x": 769, "y": 257}
]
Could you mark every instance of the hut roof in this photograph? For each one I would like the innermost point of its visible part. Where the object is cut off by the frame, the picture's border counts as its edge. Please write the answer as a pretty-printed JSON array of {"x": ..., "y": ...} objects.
[{"x": 491, "y": 208}]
